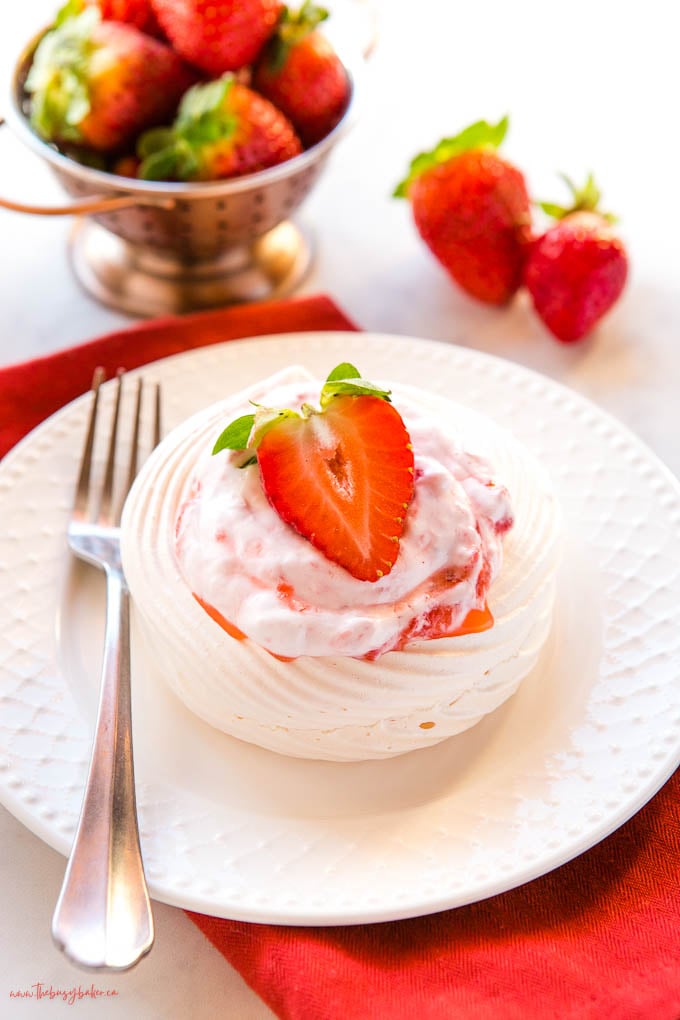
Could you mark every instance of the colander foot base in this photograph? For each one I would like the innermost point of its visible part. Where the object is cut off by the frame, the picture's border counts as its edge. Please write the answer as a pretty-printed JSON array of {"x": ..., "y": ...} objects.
[{"x": 142, "y": 281}]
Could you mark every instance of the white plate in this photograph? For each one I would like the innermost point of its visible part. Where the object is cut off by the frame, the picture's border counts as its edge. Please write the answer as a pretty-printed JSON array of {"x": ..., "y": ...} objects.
[{"x": 236, "y": 831}]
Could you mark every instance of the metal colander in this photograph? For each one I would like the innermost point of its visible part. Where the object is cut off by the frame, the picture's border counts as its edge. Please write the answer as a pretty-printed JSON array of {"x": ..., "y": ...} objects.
[{"x": 149, "y": 248}]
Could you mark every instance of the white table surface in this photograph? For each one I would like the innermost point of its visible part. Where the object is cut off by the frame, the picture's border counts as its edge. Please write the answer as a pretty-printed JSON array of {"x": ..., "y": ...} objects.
[{"x": 588, "y": 86}]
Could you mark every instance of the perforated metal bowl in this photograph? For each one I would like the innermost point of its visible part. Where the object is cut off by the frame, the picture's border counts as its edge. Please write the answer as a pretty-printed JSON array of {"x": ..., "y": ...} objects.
[{"x": 151, "y": 248}]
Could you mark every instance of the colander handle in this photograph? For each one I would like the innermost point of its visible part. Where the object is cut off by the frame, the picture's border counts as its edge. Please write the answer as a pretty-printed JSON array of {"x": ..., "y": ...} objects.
[{"x": 92, "y": 204}]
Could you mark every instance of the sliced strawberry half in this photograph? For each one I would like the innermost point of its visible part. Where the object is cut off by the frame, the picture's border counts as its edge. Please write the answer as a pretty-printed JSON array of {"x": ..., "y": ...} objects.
[
  {"x": 343, "y": 479},
  {"x": 341, "y": 475}
]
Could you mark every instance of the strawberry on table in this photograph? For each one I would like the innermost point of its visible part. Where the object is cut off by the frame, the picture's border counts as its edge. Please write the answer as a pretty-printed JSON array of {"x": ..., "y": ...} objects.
[
  {"x": 472, "y": 209},
  {"x": 218, "y": 36},
  {"x": 341, "y": 474},
  {"x": 223, "y": 129},
  {"x": 577, "y": 269},
  {"x": 302, "y": 74},
  {"x": 99, "y": 83}
]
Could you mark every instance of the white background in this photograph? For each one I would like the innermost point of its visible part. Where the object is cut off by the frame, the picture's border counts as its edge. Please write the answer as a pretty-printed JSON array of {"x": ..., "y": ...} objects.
[{"x": 588, "y": 85}]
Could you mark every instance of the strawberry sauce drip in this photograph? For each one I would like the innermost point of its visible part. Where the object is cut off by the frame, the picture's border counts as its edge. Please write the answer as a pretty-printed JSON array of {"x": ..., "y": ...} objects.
[
  {"x": 438, "y": 624},
  {"x": 215, "y": 615},
  {"x": 476, "y": 622},
  {"x": 435, "y": 624},
  {"x": 229, "y": 627}
]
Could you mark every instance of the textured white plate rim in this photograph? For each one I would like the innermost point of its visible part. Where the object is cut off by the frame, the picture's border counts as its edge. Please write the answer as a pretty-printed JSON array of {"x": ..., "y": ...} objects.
[{"x": 23, "y": 804}]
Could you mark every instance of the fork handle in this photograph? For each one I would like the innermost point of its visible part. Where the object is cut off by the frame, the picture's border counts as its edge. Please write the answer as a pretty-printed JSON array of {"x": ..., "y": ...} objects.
[{"x": 103, "y": 916}]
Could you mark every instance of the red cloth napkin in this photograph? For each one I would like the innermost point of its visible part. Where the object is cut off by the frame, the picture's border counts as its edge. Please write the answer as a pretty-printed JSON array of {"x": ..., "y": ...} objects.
[
  {"x": 32, "y": 390},
  {"x": 597, "y": 938}
]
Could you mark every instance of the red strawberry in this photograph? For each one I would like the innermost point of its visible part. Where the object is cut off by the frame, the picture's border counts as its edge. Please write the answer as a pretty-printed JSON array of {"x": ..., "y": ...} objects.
[
  {"x": 577, "y": 269},
  {"x": 134, "y": 12},
  {"x": 218, "y": 37},
  {"x": 472, "y": 209},
  {"x": 100, "y": 83},
  {"x": 300, "y": 72},
  {"x": 223, "y": 129},
  {"x": 341, "y": 476}
]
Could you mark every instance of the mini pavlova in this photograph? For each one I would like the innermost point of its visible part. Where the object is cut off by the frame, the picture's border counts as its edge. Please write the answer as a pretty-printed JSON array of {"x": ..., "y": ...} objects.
[{"x": 340, "y": 572}]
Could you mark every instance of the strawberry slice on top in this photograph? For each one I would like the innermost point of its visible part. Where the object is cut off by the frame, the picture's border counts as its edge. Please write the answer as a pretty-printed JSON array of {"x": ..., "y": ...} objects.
[
  {"x": 341, "y": 475},
  {"x": 343, "y": 479}
]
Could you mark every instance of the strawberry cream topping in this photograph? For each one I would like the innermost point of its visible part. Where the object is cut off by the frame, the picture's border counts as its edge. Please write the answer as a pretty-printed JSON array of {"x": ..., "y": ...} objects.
[{"x": 261, "y": 579}]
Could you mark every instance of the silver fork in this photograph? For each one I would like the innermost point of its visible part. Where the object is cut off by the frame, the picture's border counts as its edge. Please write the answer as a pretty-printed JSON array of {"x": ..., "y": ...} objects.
[{"x": 103, "y": 916}]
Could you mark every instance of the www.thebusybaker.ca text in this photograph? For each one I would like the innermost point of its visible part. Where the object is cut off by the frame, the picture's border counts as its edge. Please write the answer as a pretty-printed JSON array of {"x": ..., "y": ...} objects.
[{"x": 70, "y": 995}]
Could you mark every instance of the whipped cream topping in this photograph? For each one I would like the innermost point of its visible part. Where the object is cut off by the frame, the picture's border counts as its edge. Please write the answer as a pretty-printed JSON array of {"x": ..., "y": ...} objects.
[
  {"x": 241, "y": 559},
  {"x": 338, "y": 707}
]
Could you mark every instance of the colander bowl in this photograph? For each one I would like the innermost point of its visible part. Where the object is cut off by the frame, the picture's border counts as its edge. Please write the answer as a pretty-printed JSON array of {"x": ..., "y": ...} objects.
[{"x": 152, "y": 248}]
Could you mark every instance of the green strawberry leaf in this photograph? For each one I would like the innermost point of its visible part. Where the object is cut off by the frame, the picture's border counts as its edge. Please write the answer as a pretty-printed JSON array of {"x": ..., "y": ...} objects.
[
  {"x": 71, "y": 9},
  {"x": 154, "y": 140},
  {"x": 159, "y": 166},
  {"x": 480, "y": 135},
  {"x": 58, "y": 80},
  {"x": 202, "y": 117},
  {"x": 345, "y": 381},
  {"x": 352, "y": 388},
  {"x": 247, "y": 432},
  {"x": 236, "y": 435},
  {"x": 174, "y": 161},
  {"x": 343, "y": 371},
  {"x": 556, "y": 212},
  {"x": 187, "y": 160},
  {"x": 79, "y": 98}
]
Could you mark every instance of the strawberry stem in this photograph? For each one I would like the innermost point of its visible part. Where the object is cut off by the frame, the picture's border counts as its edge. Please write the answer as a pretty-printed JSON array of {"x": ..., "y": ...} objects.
[
  {"x": 583, "y": 199},
  {"x": 292, "y": 28},
  {"x": 247, "y": 432},
  {"x": 203, "y": 119}
]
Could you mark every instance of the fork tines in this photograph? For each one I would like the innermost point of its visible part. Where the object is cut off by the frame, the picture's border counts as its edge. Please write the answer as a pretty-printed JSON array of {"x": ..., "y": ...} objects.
[{"x": 109, "y": 511}]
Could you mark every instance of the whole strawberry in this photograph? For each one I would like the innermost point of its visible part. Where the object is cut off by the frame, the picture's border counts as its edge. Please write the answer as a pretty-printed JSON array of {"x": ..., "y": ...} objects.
[
  {"x": 222, "y": 129},
  {"x": 472, "y": 209},
  {"x": 300, "y": 72},
  {"x": 218, "y": 37},
  {"x": 98, "y": 84},
  {"x": 577, "y": 269},
  {"x": 341, "y": 475}
]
